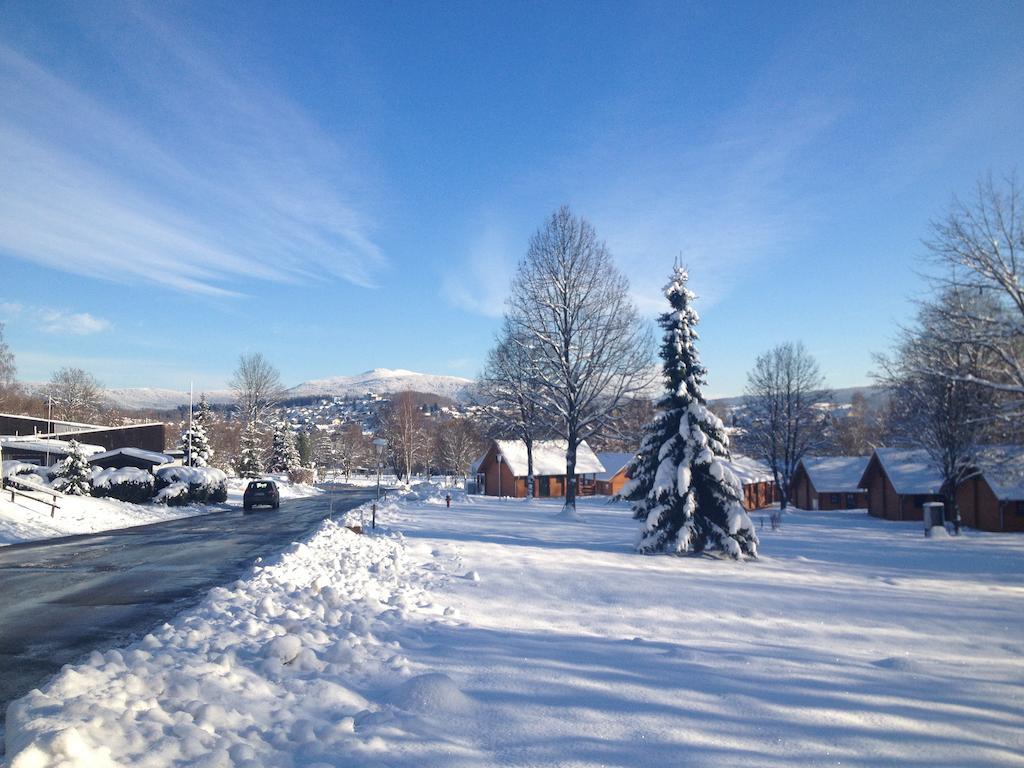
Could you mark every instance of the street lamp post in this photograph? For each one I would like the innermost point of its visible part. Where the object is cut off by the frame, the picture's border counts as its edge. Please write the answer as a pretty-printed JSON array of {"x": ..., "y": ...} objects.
[
  {"x": 500, "y": 458},
  {"x": 379, "y": 443}
]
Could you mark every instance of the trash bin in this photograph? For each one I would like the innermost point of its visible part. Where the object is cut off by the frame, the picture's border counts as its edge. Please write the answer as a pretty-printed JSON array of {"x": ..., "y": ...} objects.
[{"x": 934, "y": 515}]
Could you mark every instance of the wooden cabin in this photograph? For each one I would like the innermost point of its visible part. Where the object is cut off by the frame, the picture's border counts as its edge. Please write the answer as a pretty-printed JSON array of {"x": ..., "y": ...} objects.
[
  {"x": 507, "y": 476},
  {"x": 829, "y": 482},
  {"x": 759, "y": 488},
  {"x": 993, "y": 500},
  {"x": 612, "y": 480},
  {"x": 899, "y": 482},
  {"x": 148, "y": 437}
]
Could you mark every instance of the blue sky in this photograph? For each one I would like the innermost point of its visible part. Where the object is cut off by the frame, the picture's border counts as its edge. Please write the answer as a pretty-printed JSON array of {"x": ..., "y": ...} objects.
[{"x": 349, "y": 186}]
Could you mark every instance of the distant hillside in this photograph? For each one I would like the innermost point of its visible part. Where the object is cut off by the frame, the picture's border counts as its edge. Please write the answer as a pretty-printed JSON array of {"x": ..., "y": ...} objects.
[
  {"x": 874, "y": 395},
  {"x": 379, "y": 381}
]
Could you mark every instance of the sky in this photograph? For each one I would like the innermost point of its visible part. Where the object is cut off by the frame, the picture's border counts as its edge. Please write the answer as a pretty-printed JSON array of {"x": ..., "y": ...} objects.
[{"x": 345, "y": 186}]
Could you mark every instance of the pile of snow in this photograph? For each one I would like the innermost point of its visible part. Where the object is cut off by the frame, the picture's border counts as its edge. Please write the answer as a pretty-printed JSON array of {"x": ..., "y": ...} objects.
[
  {"x": 299, "y": 665},
  {"x": 434, "y": 493}
]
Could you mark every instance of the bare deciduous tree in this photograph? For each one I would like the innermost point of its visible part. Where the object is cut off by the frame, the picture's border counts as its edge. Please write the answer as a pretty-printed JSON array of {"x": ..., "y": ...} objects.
[
  {"x": 351, "y": 448},
  {"x": 783, "y": 423},
  {"x": 404, "y": 430},
  {"x": 257, "y": 387},
  {"x": 509, "y": 392},
  {"x": 75, "y": 395},
  {"x": 458, "y": 444},
  {"x": 979, "y": 247},
  {"x": 937, "y": 403},
  {"x": 7, "y": 368},
  {"x": 570, "y": 309}
]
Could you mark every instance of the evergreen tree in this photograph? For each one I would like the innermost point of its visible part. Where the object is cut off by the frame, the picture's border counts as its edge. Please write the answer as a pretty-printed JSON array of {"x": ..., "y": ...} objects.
[
  {"x": 284, "y": 455},
  {"x": 685, "y": 497},
  {"x": 74, "y": 473},
  {"x": 194, "y": 441},
  {"x": 304, "y": 446},
  {"x": 250, "y": 463}
]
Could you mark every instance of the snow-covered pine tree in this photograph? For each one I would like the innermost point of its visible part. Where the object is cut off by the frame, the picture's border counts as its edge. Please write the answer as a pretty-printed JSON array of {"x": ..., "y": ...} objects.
[
  {"x": 685, "y": 497},
  {"x": 74, "y": 473},
  {"x": 197, "y": 449},
  {"x": 284, "y": 456},
  {"x": 250, "y": 463}
]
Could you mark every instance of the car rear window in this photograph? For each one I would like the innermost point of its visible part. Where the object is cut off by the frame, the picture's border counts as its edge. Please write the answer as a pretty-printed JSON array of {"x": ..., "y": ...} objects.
[{"x": 259, "y": 486}]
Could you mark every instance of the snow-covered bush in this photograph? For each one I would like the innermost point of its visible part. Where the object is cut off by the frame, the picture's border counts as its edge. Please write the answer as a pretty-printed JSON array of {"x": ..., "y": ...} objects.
[
  {"x": 301, "y": 476},
  {"x": 14, "y": 468},
  {"x": 125, "y": 484},
  {"x": 174, "y": 495},
  {"x": 206, "y": 485}
]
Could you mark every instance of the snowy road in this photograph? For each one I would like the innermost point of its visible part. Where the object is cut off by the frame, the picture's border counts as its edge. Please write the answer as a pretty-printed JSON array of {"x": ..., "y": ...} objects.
[{"x": 62, "y": 598}]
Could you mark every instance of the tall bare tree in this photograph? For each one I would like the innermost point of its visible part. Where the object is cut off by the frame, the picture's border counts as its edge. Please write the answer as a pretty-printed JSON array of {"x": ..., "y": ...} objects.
[
  {"x": 75, "y": 395},
  {"x": 7, "y": 369},
  {"x": 508, "y": 389},
  {"x": 405, "y": 432},
  {"x": 979, "y": 248},
  {"x": 937, "y": 403},
  {"x": 351, "y": 448},
  {"x": 458, "y": 444},
  {"x": 783, "y": 424},
  {"x": 257, "y": 387},
  {"x": 570, "y": 310}
]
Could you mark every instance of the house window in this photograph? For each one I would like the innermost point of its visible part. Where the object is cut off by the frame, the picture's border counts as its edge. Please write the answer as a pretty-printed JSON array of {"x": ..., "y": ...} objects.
[
  {"x": 851, "y": 501},
  {"x": 1020, "y": 509},
  {"x": 919, "y": 502},
  {"x": 833, "y": 499}
]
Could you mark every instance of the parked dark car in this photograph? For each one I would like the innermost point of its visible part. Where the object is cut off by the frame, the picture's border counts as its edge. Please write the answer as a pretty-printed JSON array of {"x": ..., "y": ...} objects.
[{"x": 261, "y": 492}]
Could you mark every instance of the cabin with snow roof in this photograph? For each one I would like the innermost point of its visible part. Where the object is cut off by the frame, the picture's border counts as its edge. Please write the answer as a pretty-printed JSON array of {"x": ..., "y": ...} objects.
[
  {"x": 757, "y": 480},
  {"x": 120, "y": 458},
  {"x": 829, "y": 482},
  {"x": 993, "y": 500},
  {"x": 614, "y": 477},
  {"x": 899, "y": 482},
  {"x": 502, "y": 469}
]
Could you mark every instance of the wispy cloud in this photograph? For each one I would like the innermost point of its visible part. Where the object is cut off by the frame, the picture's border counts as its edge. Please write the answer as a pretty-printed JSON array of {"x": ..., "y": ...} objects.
[
  {"x": 480, "y": 283},
  {"x": 224, "y": 180},
  {"x": 55, "y": 321}
]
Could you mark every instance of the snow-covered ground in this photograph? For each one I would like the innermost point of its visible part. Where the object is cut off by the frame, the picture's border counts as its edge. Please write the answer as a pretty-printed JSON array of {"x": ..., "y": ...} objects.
[
  {"x": 494, "y": 634},
  {"x": 30, "y": 520}
]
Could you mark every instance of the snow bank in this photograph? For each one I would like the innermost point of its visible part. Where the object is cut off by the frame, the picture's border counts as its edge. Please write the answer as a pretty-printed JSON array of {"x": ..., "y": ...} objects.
[{"x": 297, "y": 665}]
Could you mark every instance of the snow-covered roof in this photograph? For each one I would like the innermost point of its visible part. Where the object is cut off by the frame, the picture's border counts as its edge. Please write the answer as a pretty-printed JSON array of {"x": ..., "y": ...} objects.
[
  {"x": 135, "y": 453},
  {"x": 748, "y": 470},
  {"x": 548, "y": 457},
  {"x": 1003, "y": 469},
  {"x": 613, "y": 464},
  {"x": 46, "y": 445},
  {"x": 911, "y": 471},
  {"x": 835, "y": 474}
]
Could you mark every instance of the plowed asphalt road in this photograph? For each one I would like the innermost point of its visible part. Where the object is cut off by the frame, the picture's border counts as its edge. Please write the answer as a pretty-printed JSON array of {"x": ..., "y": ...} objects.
[{"x": 62, "y": 598}]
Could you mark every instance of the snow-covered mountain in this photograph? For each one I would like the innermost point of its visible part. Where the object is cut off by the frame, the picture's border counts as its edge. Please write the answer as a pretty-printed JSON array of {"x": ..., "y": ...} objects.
[{"x": 379, "y": 381}]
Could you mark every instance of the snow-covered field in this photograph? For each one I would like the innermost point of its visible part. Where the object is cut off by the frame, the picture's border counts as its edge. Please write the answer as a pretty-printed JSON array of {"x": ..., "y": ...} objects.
[
  {"x": 30, "y": 520},
  {"x": 492, "y": 634}
]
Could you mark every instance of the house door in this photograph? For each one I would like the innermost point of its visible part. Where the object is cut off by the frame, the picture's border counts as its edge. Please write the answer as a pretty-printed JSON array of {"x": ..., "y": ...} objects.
[{"x": 543, "y": 486}]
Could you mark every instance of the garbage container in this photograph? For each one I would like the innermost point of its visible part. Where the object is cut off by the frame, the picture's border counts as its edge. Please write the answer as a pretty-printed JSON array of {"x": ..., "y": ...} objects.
[{"x": 934, "y": 515}]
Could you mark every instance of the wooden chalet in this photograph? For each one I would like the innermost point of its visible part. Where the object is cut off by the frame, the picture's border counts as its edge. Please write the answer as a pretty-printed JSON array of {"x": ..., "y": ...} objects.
[
  {"x": 548, "y": 469},
  {"x": 993, "y": 500},
  {"x": 899, "y": 482},
  {"x": 611, "y": 481},
  {"x": 759, "y": 488},
  {"x": 830, "y": 482}
]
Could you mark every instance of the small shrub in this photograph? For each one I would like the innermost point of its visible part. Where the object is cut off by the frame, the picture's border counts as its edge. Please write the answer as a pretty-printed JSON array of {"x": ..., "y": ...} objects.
[
  {"x": 125, "y": 484},
  {"x": 174, "y": 495},
  {"x": 204, "y": 485},
  {"x": 302, "y": 476}
]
